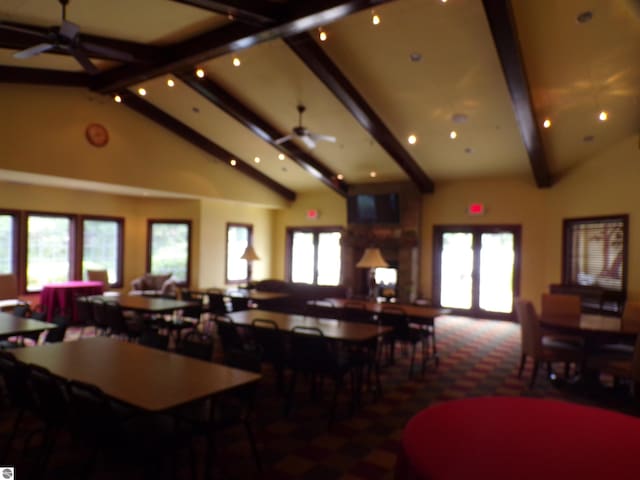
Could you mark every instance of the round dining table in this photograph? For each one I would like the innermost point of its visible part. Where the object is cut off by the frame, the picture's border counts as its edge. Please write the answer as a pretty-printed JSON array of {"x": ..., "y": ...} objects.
[
  {"x": 60, "y": 297},
  {"x": 506, "y": 438}
]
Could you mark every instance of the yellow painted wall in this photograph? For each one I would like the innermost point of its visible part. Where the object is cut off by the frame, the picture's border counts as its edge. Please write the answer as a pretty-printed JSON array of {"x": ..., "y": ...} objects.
[
  {"x": 140, "y": 153},
  {"x": 333, "y": 212},
  {"x": 607, "y": 184}
]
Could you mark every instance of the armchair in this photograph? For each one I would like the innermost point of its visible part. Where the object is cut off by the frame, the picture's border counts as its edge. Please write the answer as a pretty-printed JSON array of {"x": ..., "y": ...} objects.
[{"x": 157, "y": 285}]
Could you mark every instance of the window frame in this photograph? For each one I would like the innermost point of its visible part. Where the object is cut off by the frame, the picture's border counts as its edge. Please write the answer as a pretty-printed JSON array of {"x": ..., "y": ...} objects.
[
  {"x": 119, "y": 283},
  {"x": 73, "y": 244},
  {"x": 15, "y": 254},
  {"x": 567, "y": 249},
  {"x": 188, "y": 223},
  {"x": 316, "y": 235},
  {"x": 248, "y": 278}
]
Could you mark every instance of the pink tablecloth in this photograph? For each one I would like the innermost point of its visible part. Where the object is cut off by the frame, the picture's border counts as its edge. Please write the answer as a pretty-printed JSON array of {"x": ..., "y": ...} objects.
[
  {"x": 518, "y": 438},
  {"x": 60, "y": 297}
]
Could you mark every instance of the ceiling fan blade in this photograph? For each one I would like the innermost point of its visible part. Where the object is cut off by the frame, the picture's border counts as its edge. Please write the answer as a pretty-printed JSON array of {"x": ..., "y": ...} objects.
[
  {"x": 33, "y": 51},
  {"x": 83, "y": 59},
  {"x": 281, "y": 140},
  {"x": 69, "y": 30},
  {"x": 324, "y": 138},
  {"x": 308, "y": 141}
]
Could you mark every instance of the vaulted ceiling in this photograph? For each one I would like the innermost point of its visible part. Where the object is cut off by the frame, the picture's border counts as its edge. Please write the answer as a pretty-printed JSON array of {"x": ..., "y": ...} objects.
[{"x": 491, "y": 71}]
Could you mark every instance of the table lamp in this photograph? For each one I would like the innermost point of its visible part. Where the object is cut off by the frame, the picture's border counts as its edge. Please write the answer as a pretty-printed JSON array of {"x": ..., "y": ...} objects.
[
  {"x": 372, "y": 259},
  {"x": 249, "y": 255}
]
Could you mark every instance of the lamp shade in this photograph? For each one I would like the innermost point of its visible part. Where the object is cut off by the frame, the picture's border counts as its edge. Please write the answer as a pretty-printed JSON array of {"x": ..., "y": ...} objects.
[
  {"x": 250, "y": 254},
  {"x": 372, "y": 258}
]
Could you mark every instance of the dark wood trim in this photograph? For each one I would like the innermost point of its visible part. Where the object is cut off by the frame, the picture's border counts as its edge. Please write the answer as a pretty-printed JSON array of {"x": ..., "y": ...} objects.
[
  {"x": 40, "y": 76},
  {"x": 263, "y": 129},
  {"x": 476, "y": 230},
  {"x": 248, "y": 226},
  {"x": 243, "y": 11},
  {"x": 188, "y": 134},
  {"x": 188, "y": 223},
  {"x": 301, "y": 16},
  {"x": 319, "y": 63},
  {"x": 15, "y": 254},
  {"x": 505, "y": 36},
  {"x": 120, "y": 267}
]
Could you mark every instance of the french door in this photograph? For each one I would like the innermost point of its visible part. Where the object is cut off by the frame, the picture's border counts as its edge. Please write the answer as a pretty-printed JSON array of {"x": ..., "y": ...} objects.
[{"x": 476, "y": 269}]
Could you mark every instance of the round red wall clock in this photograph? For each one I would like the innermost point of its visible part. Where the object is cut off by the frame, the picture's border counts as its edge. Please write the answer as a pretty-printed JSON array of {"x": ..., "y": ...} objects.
[{"x": 97, "y": 135}]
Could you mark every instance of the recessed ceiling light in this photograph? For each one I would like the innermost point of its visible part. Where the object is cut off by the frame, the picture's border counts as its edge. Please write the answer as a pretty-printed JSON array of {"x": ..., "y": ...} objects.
[
  {"x": 453, "y": 134},
  {"x": 200, "y": 73},
  {"x": 375, "y": 19},
  {"x": 233, "y": 162},
  {"x": 340, "y": 176},
  {"x": 142, "y": 91},
  {"x": 588, "y": 138},
  {"x": 459, "y": 118},
  {"x": 373, "y": 174},
  {"x": 281, "y": 156},
  {"x": 412, "y": 139},
  {"x": 236, "y": 62},
  {"x": 415, "y": 56},
  {"x": 584, "y": 17},
  {"x": 443, "y": 1},
  {"x": 257, "y": 159},
  {"x": 117, "y": 98},
  {"x": 322, "y": 35},
  {"x": 602, "y": 116},
  {"x": 546, "y": 123},
  {"x": 171, "y": 83}
]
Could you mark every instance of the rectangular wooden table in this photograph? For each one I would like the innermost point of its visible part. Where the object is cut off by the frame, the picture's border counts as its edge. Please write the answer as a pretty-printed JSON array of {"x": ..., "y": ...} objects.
[
  {"x": 143, "y": 377},
  {"x": 12, "y": 325},
  {"x": 143, "y": 304}
]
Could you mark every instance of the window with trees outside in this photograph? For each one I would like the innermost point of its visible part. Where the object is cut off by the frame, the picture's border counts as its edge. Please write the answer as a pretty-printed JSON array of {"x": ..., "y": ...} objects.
[
  {"x": 8, "y": 247},
  {"x": 49, "y": 249},
  {"x": 595, "y": 252},
  {"x": 239, "y": 236},
  {"x": 102, "y": 241},
  {"x": 169, "y": 248},
  {"x": 314, "y": 255}
]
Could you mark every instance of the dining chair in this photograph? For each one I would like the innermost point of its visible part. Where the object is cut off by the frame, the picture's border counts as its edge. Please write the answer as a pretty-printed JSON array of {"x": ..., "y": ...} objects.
[
  {"x": 273, "y": 347},
  {"x": 539, "y": 348},
  {"x": 356, "y": 311},
  {"x": 102, "y": 275},
  {"x": 196, "y": 345},
  {"x": 561, "y": 306},
  {"x": 120, "y": 325},
  {"x": 100, "y": 317},
  {"x": 14, "y": 375},
  {"x": 405, "y": 333},
  {"x": 57, "y": 334},
  {"x": 619, "y": 367},
  {"x": 230, "y": 337},
  {"x": 151, "y": 337}
]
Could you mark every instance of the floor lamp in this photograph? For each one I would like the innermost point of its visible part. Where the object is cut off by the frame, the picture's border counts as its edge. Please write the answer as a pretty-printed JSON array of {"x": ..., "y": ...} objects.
[{"x": 372, "y": 259}]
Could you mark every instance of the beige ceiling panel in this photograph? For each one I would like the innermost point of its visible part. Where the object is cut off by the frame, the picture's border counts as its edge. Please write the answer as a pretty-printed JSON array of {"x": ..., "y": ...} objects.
[
  {"x": 578, "y": 69},
  {"x": 272, "y": 81},
  {"x": 459, "y": 72}
]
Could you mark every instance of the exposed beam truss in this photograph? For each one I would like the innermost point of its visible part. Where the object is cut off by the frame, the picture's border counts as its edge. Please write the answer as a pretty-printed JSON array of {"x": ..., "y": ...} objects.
[{"x": 38, "y": 76}]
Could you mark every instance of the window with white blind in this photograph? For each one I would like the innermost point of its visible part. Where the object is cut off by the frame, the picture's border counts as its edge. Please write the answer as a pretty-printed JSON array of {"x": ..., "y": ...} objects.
[
  {"x": 314, "y": 255},
  {"x": 595, "y": 252},
  {"x": 8, "y": 243}
]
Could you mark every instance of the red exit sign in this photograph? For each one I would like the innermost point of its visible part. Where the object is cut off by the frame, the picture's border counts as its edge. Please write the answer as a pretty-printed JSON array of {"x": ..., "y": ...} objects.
[{"x": 475, "y": 209}]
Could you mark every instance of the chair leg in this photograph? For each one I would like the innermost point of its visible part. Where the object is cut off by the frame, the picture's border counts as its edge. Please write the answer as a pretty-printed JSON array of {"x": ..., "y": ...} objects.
[
  {"x": 523, "y": 360},
  {"x": 534, "y": 373},
  {"x": 413, "y": 358},
  {"x": 289, "y": 398},
  {"x": 252, "y": 444}
]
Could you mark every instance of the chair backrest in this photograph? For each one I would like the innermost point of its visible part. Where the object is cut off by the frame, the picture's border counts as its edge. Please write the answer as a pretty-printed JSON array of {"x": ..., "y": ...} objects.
[
  {"x": 114, "y": 318},
  {"x": 396, "y": 317},
  {"x": 631, "y": 316},
  {"x": 229, "y": 336},
  {"x": 57, "y": 334},
  {"x": 239, "y": 303},
  {"x": 530, "y": 330},
  {"x": 310, "y": 349},
  {"x": 270, "y": 339},
  {"x": 196, "y": 345},
  {"x": 243, "y": 359},
  {"x": 560, "y": 305},
  {"x": 217, "y": 304},
  {"x": 151, "y": 338},
  {"x": 84, "y": 311},
  {"x": 8, "y": 286},
  {"x": 99, "y": 313},
  {"x": 15, "y": 375},
  {"x": 49, "y": 395},
  {"x": 22, "y": 311},
  {"x": 90, "y": 406},
  {"x": 323, "y": 309},
  {"x": 356, "y": 311},
  {"x": 99, "y": 276}
]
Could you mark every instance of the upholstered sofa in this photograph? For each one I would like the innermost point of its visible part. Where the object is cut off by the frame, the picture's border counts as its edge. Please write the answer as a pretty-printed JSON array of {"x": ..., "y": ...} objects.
[
  {"x": 298, "y": 294},
  {"x": 156, "y": 285}
]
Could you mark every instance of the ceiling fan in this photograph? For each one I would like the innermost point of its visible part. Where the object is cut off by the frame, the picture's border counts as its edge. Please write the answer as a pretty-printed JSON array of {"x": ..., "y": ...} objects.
[
  {"x": 301, "y": 132},
  {"x": 66, "y": 38}
]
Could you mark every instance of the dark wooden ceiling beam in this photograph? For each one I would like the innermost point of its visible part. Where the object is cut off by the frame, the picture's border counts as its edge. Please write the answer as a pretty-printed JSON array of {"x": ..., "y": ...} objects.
[
  {"x": 319, "y": 63},
  {"x": 38, "y": 76},
  {"x": 233, "y": 37},
  {"x": 243, "y": 11},
  {"x": 263, "y": 129},
  {"x": 187, "y": 133},
  {"x": 135, "y": 52},
  {"x": 505, "y": 37}
]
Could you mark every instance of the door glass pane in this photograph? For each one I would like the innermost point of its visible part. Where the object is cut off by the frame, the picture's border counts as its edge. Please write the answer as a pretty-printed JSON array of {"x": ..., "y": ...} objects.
[
  {"x": 302, "y": 257},
  {"x": 496, "y": 272},
  {"x": 329, "y": 258},
  {"x": 170, "y": 249},
  {"x": 456, "y": 269},
  {"x": 48, "y": 252},
  {"x": 101, "y": 247},
  {"x": 237, "y": 241},
  {"x": 6, "y": 243}
]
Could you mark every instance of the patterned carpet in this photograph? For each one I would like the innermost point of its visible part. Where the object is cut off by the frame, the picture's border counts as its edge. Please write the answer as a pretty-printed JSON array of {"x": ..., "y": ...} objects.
[{"x": 478, "y": 357}]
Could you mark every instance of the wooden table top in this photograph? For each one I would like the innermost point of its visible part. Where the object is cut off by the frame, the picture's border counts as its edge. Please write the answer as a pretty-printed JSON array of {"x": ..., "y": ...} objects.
[
  {"x": 242, "y": 293},
  {"x": 414, "y": 311},
  {"x": 144, "y": 377},
  {"x": 589, "y": 323},
  {"x": 11, "y": 325},
  {"x": 141, "y": 303},
  {"x": 331, "y": 328}
]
